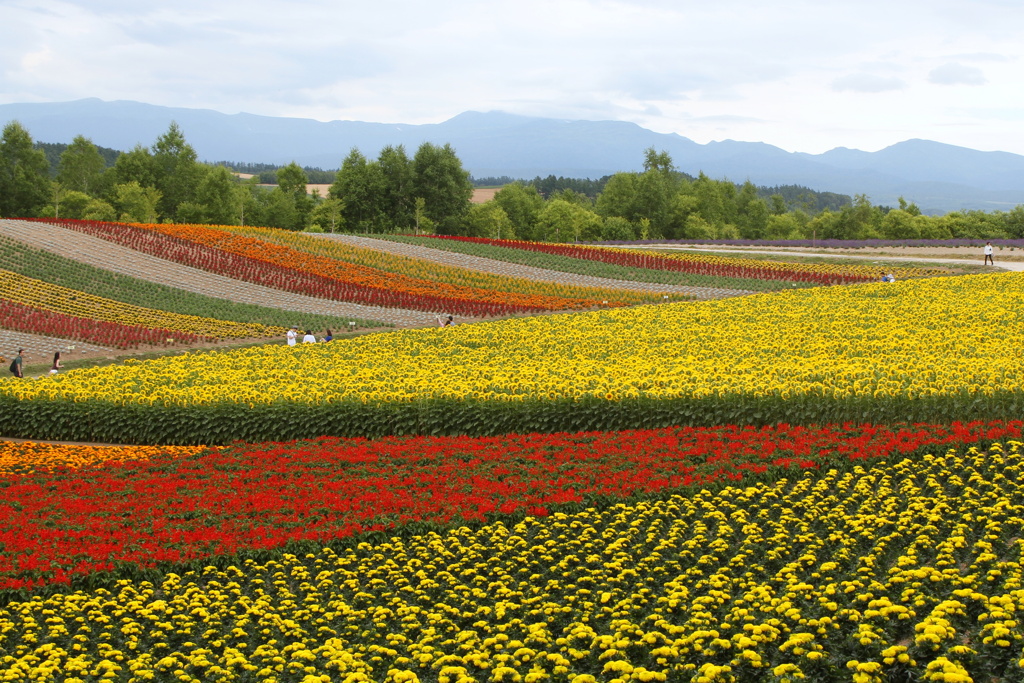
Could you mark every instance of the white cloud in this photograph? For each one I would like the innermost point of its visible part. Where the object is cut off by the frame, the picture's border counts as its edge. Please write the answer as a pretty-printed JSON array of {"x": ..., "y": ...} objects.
[
  {"x": 867, "y": 83},
  {"x": 953, "y": 73},
  {"x": 782, "y": 73}
]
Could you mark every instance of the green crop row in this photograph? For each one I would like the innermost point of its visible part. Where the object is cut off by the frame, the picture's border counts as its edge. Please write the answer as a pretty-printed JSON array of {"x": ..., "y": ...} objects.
[
  {"x": 100, "y": 421},
  {"x": 55, "y": 269}
]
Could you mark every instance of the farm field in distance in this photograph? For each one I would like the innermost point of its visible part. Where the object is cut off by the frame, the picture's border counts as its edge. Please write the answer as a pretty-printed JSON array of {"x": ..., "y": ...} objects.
[{"x": 619, "y": 464}]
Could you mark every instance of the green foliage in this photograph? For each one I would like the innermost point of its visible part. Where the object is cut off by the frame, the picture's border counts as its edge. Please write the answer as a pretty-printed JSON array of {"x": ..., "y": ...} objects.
[
  {"x": 24, "y": 174},
  {"x": 438, "y": 177},
  {"x": 81, "y": 166},
  {"x": 176, "y": 170},
  {"x": 92, "y": 420},
  {"x": 136, "y": 203}
]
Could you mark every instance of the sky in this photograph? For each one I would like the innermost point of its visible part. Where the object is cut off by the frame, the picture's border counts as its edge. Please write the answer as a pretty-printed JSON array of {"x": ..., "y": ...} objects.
[{"x": 806, "y": 76}]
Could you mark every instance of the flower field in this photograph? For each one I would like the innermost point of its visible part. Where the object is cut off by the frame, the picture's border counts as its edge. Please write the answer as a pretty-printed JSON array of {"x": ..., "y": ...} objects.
[
  {"x": 858, "y": 553},
  {"x": 41, "y": 307},
  {"x": 704, "y": 265},
  {"x": 274, "y": 264},
  {"x": 38, "y": 264},
  {"x": 818, "y": 484},
  {"x": 872, "y": 352},
  {"x": 186, "y": 503}
]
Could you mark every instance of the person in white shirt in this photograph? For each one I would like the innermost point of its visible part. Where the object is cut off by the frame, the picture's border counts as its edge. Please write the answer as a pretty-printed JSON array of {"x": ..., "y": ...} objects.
[
  {"x": 291, "y": 336},
  {"x": 310, "y": 338},
  {"x": 988, "y": 254}
]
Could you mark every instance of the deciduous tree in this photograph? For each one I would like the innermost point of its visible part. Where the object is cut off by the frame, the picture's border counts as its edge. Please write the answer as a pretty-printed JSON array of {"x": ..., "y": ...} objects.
[{"x": 24, "y": 173}]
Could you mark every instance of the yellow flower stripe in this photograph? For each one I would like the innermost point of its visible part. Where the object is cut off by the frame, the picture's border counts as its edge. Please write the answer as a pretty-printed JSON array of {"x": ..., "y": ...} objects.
[
  {"x": 27, "y": 456},
  {"x": 437, "y": 272},
  {"x": 906, "y": 571},
  {"x": 916, "y": 338},
  {"x": 40, "y": 294}
]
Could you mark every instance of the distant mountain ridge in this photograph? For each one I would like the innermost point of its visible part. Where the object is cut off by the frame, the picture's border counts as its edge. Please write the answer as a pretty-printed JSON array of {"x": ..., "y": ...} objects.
[{"x": 936, "y": 176}]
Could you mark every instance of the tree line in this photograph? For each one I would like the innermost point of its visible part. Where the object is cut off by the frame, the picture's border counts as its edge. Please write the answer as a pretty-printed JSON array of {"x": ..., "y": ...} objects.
[
  {"x": 167, "y": 183},
  {"x": 430, "y": 192}
]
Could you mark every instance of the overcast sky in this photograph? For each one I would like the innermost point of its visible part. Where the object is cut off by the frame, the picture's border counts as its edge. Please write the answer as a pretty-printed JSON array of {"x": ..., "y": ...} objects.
[{"x": 805, "y": 75}]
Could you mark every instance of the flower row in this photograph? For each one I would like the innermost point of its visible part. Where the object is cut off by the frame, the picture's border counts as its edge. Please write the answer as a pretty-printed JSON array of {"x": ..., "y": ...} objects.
[
  {"x": 392, "y": 265},
  {"x": 903, "y": 570},
  {"x": 706, "y": 264},
  {"x": 175, "y": 504},
  {"x": 48, "y": 298},
  {"x": 277, "y": 266},
  {"x": 925, "y": 349},
  {"x": 27, "y": 457}
]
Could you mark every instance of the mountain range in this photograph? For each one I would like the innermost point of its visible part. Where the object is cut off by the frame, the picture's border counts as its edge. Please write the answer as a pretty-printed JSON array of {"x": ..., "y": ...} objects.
[{"x": 936, "y": 176}]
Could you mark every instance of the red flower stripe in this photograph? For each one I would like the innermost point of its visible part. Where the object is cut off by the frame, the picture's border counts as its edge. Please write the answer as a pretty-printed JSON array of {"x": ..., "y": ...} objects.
[
  {"x": 16, "y": 316},
  {"x": 633, "y": 259},
  {"x": 60, "y": 523},
  {"x": 250, "y": 268}
]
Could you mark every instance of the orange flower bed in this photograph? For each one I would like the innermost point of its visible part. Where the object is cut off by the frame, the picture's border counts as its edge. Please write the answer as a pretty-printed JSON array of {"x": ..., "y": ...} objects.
[
  {"x": 281, "y": 255},
  {"x": 25, "y": 457}
]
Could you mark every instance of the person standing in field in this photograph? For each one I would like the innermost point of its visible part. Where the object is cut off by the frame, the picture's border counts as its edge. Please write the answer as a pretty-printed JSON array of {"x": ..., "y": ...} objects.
[
  {"x": 988, "y": 254},
  {"x": 309, "y": 338},
  {"x": 55, "y": 368},
  {"x": 292, "y": 336},
  {"x": 18, "y": 364}
]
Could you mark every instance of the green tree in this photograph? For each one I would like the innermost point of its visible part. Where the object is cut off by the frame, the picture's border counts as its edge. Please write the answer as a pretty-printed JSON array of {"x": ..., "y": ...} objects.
[
  {"x": 619, "y": 197},
  {"x": 617, "y": 228},
  {"x": 291, "y": 183},
  {"x": 397, "y": 201},
  {"x": 136, "y": 164},
  {"x": 359, "y": 186},
  {"x": 24, "y": 173},
  {"x": 423, "y": 224},
  {"x": 81, "y": 166},
  {"x": 66, "y": 204},
  {"x": 135, "y": 203},
  {"x": 438, "y": 177},
  {"x": 221, "y": 196},
  {"x": 99, "y": 210},
  {"x": 327, "y": 214},
  {"x": 900, "y": 225},
  {"x": 522, "y": 204},
  {"x": 1013, "y": 222},
  {"x": 563, "y": 221},
  {"x": 489, "y": 220},
  {"x": 177, "y": 172}
]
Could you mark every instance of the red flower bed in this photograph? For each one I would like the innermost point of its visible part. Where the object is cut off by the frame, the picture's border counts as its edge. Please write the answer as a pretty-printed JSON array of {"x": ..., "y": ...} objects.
[
  {"x": 656, "y": 262},
  {"x": 58, "y": 524},
  {"x": 15, "y": 316},
  {"x": 274, "y": 275}
]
